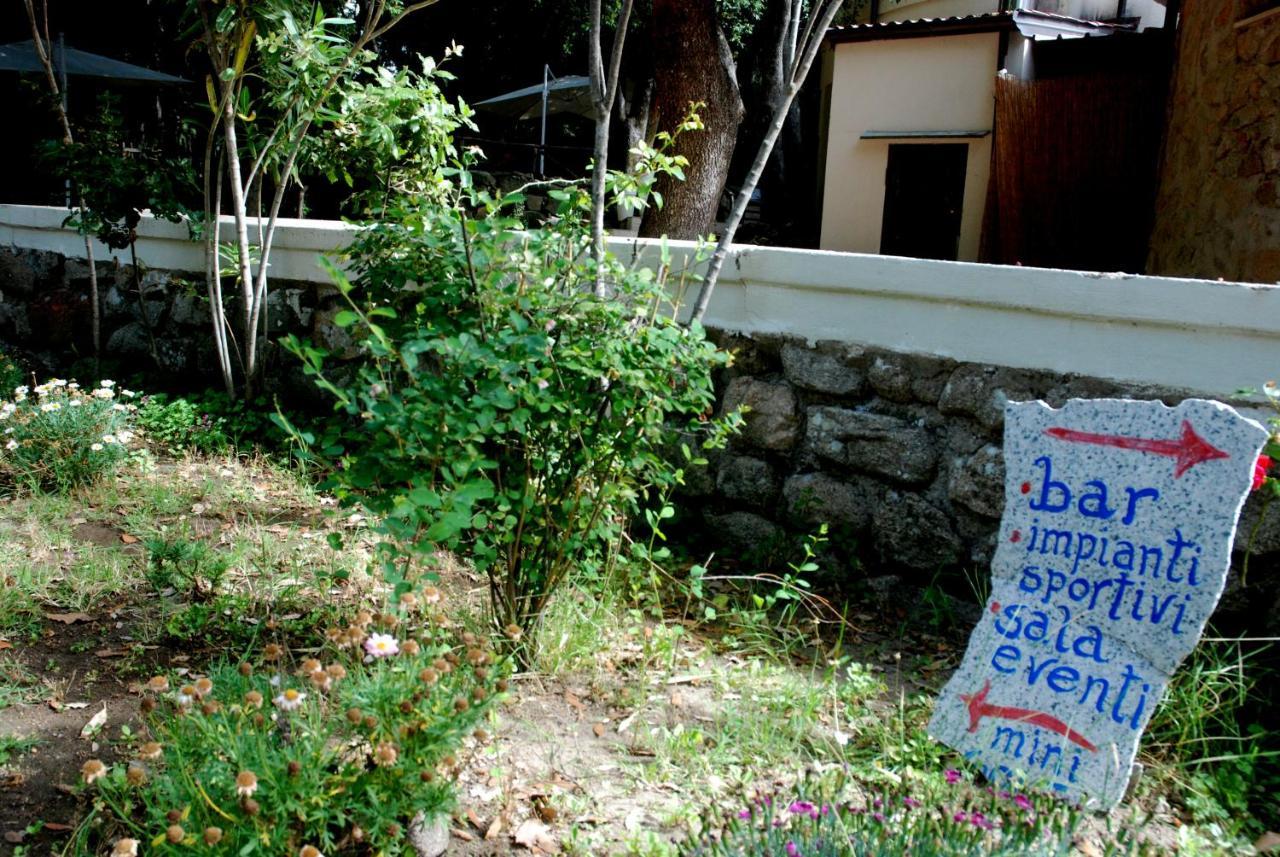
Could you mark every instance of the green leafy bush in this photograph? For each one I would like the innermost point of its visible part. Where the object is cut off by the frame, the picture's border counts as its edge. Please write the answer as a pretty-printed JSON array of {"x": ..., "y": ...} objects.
[
  {"x": 12, "y": 375},
  {"x": 324, "y": 755},
  {"x": 58, "y": 436},
  {"x": 209, "y": 422},
  {"x": 501, "y": 404}
]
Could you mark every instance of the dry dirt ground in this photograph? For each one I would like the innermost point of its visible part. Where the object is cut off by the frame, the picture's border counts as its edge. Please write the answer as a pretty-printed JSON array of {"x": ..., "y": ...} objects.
[{"x": 619, "y": 753}]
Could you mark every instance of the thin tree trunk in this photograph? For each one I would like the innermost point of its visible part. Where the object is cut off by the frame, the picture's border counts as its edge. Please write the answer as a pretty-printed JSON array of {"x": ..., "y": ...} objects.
[
  {"x": 38, "y": 40},
  {"x": 242, "y": 235},
  {"x": 604, "y": 90},
  {"x": 634, "y": 113},
  {"x": 819, "y": 22},
  {"x": 693, "y": 64}
]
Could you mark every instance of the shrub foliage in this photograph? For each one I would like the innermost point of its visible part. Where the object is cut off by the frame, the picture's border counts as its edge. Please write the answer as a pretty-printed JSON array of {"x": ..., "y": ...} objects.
[{"x": 501, "y": 403}]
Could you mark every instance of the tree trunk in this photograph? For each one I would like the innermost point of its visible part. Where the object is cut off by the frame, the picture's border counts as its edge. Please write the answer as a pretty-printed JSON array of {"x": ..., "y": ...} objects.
[
  {"x": 777, "y": 49},
  {"x": 692, "y": 63}
]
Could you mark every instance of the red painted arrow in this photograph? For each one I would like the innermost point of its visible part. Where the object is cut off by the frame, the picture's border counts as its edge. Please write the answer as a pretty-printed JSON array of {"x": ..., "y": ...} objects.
[
  {"x": 980, "y": 708},
  {"x": 1190, "y": 449}
]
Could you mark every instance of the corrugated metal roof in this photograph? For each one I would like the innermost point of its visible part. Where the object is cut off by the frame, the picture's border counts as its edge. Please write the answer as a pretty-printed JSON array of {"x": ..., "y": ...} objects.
[{"x": 984, "y": 23}]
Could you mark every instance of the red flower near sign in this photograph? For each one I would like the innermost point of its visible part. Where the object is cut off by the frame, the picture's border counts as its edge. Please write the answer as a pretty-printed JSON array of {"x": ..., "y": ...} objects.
[{"x": 1260, "y": 468}]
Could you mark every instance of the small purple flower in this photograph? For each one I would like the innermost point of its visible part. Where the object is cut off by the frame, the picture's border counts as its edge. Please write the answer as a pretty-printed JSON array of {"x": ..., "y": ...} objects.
[
  {"x": 878, "y": 816},
  {"x": 960, "y": 817},
  {"x": 744, "y": 814},
  {"x": 953, "y": 776},
  {"x": 793, "y": 850},
  {"x": 1022, "y": 803},
  {"x": 910, "y": 802},
  {"x": 980, "y": 820},
  {"x": 803, "y": 807},
  {"x": 877, "y": 803}
]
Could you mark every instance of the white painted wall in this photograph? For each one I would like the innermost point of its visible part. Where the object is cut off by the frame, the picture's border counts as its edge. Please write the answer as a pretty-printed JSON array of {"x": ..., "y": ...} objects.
[
  {"x": 1210, "y": 337},
  {"x": 919, "y": 84}
]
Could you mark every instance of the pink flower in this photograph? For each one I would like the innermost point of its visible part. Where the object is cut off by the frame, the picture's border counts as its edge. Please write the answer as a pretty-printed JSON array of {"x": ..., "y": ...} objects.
[
  {"x": 1021, "y": 802},
  {"x": 793, "y": 850},
  {"x": 1260, "y": 468},
  {"x": 381, "y": 645},
  {"x": 803, "y": 807},
  {"x": 953, "y": 776}
]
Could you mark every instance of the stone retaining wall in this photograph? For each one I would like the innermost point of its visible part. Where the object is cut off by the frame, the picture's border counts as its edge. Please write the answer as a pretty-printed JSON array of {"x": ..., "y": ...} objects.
[
  {"x": 46, "y": 318},
  {"x": 899, "y": 453}
]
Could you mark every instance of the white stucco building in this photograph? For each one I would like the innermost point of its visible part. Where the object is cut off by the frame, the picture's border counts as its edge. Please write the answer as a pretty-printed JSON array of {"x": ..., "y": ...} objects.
[{"x": 908, "y": 114}]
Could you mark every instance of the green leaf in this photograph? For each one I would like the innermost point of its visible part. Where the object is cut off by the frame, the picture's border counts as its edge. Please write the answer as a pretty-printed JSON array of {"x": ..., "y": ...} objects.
[{"x": 345, "y": 318}]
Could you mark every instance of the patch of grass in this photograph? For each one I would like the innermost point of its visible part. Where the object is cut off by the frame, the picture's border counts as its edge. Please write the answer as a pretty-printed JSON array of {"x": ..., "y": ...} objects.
[
  {"x": 12, "y": 746},
  {"x": 16, "y": 682},
  {"x": 1202, "y": 743},
  {"x": 767, "y": 718}
]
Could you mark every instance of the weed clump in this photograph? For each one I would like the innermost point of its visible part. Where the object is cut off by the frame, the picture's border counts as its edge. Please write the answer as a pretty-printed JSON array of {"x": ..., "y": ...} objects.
[
  {"x": 59, "y": 436},
  {"x": 344, "y": 749}
]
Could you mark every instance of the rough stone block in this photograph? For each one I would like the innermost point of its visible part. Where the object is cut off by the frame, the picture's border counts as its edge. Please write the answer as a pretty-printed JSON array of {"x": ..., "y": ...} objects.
[
  {"x": 131, "y": 340},
  {"x": 982, "y": 392},
  {"x": 871, "y": 443},
  {"x": 772, "y": 421},
  {"x": 816, "y": 498},
  {"x": 978, "y": 483},
  {"x": 820, "y": 372},
  {"x": 752, "y": 481},
  {"x": 889, "y": 376},
  {"x": 745, "y": 532},
  {"x": 911, "y": 531}
]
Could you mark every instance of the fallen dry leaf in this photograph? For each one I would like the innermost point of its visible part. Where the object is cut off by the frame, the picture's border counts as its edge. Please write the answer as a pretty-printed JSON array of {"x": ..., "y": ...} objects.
[
  {"x": 96, "y": 722},
  {"x": 462, "y": 834},
  {"x": 15, "y": 837},
  {"x": 111, "y": 653},
  {"x": 128, "y": 539},
  {"x": 1268, "y": 843},
  {"x": 598, "y": 729},
  {"x": 535, "y": 836},
  {"x": 69, "y": 618},
  {"x": 495, "y": 828},
  {"x": 5, "y": 644},
  {"x": 59, "y": 828},
  {"x": 575, "y": 703}
]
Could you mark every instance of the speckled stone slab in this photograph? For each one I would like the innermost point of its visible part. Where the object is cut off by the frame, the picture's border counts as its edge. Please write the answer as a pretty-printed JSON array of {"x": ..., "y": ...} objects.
[{"x": 1114, "y": 548}]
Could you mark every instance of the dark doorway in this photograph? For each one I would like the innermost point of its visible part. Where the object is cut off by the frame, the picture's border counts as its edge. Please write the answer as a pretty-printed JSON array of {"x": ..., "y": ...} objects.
[{"x": 923, "y": 198}]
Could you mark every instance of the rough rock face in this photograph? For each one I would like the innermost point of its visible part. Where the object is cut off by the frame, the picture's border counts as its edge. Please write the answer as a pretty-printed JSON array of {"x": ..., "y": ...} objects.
[
  {"x": 912, "y": 531},
  {"x": 821, "y": 372},
  {"x": 45, "y": 313},
  {"x": 906, "y": 466},
  {"x": 871, "y": 443},
  {"x": 1219, "y": 197},
  {"x": 772, "y": 421}
]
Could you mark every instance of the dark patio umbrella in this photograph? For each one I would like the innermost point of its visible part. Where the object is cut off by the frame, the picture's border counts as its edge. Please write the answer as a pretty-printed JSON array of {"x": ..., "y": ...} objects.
[
  {"x": 563, "y": 95},
  {"x": 21, "y": 57},
  {"x": 553, "y": 95}
]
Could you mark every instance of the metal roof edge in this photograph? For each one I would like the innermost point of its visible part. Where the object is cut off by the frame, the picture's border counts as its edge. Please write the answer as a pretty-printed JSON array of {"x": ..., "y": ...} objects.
[{"x": 989, "y": 22}]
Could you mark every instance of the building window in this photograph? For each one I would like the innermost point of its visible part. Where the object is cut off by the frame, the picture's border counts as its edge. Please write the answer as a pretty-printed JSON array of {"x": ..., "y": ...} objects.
[{"x": 923, "y": 200}]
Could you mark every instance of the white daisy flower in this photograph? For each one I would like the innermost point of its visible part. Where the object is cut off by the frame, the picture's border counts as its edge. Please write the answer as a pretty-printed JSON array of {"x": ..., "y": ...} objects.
[
  {"x": 11, "y": 445},
  {"x": 96, "y": 447},
  {"x": 290, "y": 699}
]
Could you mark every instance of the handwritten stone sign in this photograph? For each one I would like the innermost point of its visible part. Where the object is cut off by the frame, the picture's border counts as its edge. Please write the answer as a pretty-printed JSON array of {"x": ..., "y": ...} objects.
[{"x": 1114, "y": 548}]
